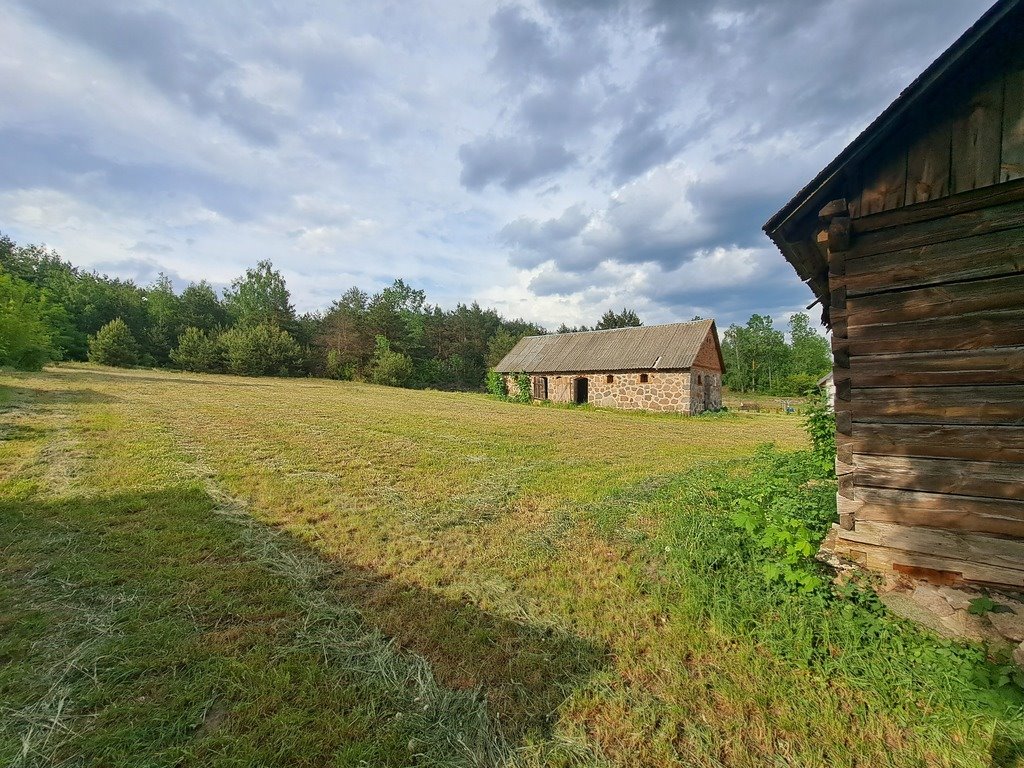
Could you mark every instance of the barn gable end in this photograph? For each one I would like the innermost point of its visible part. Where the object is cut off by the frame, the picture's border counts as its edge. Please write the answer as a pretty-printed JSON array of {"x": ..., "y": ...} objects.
[{"x": 913, "y": 241}]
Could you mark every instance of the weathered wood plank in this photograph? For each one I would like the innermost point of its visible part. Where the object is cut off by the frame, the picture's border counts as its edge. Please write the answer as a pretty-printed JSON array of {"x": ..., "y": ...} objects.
[
  {"x": 975, "y": 331},
  {"x": 928, "y": 164},
  {"x": 837, "y": 207},
  {"x": 845, "y": 485},
  {"x": 1002, "y": 517},
  {"x": 844, "y": 422},
  {"x": 970, "y": 223},
  {"x": 837, "y": 293},
  {"x": 943, "y": 208},
  {"x": 992, "y": 479},
  {"x": 844, "y": 449},
  {"x": 1012, "y": 161},
  {"x": 939, "y": 441},
  {"x": 990, "y": 255},
  {"x": 1001, "y": 404},
  {"x": 881, "y": 558},
  {"x": 971, "y": 547},
  {"x": 885, "y": 179},
  {"x": 946, "y": 300},
  {"x": 1002, "y": 365},
  {"x": 976, "y": 144}
]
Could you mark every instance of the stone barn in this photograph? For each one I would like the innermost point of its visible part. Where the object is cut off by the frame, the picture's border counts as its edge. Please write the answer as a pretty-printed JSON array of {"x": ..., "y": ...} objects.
[
  {"x": 912, "y": 239},
  {"x": 676, "y": 367}
]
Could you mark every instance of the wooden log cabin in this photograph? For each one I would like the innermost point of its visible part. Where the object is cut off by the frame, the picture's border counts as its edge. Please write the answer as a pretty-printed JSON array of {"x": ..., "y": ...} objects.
[{"x": 912, "y": 239}]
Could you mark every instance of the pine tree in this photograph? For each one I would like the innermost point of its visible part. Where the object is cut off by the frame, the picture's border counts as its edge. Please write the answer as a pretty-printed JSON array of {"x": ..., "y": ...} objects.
[{"x": 114, "y": 344}]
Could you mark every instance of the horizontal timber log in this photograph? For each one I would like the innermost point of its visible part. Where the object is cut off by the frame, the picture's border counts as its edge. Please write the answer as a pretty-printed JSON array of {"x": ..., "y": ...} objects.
[
  {"x": 998, "y": 480},
  {"x": 940, "y": 441},
  {"x": 979, "y": 330},
  {"x": 947, "y": 300},
  {"x": 991, "y": 255},
  {"x": 1003, "y": 517},
  {"x": 1001, "y": 404},
  {"x": 1008, "y": 509},
  {"x": 880, "y": 558},
  {"x": 915, "y": 234},
  {"x": 964, "y": 202},
  {"x": 1002, "y": 365},
  {"x": 970, "y": 547}
]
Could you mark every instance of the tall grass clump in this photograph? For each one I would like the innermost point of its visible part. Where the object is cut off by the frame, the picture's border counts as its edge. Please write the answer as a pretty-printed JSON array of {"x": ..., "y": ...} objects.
[{"x": 742, "y": 548}]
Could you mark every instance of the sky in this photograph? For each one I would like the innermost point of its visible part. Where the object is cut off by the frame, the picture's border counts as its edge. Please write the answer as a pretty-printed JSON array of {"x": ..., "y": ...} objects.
[{"x": 551, "y": 159}]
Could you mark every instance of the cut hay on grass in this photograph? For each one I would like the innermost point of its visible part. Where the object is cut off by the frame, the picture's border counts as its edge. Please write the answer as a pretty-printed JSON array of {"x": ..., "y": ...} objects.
[{"x": 209, "y": 570}]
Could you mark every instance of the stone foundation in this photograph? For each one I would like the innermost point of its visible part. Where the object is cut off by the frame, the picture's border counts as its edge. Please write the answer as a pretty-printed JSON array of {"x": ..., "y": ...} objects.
[{"x": 691, "y": 391}]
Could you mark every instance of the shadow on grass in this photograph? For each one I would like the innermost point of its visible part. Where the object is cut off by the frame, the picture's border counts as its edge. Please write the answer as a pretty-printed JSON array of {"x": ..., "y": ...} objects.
[
  {"x": 212, "y": 608},
  {"x": 165, "y": 376},
  {"x": 526, "y": 671},
  {"x": 19, "y": 432},
  {"x": 15, "y": 394}
]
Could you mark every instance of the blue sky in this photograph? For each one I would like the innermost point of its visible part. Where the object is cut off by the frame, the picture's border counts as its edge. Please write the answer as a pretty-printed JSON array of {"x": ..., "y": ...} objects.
[{"x": 551, "y": 159}]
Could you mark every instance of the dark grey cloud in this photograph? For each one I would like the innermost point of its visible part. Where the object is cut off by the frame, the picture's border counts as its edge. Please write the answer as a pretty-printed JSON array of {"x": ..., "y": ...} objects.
[
  {"x": 66, "y": 161},
  {"x": 512, "y": 162},
  {"x": 145, "y": 246},
  {"x": 641, "y": 144},
  {"x": 140, "y": 271},
  {"x": 737, "y": 105},
  {"x": 161, "y": 49},
  {"x": 629, "y": 149},
  {"x": 532, "y": 238},
  {"x": 526, "y": 50},
  {"x": 546, "y": 73}
]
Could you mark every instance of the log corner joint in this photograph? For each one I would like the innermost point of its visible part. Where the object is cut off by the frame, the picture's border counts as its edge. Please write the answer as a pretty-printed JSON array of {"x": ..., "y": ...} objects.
[{"x": 835, "y": 221}]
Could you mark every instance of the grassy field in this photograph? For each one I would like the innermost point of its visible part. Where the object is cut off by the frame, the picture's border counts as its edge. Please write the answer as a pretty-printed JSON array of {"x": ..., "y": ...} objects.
[{"x": 209, "y": 570}]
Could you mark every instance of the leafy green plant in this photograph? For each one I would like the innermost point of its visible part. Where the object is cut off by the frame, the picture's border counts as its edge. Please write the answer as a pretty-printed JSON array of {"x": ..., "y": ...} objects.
[
  {"x": 26, "y": 335},
  {"x": 496, "y": 385},
  {"x": 785, "y": 509},
  {"x": 336, "y": 368},
  {"x": 524, "y": 389},
  {"x": 985, "y": 604},
  {"x": 820, "y": 423}
]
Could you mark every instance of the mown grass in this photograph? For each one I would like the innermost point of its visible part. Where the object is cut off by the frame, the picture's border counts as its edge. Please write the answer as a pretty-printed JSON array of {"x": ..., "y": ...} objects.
[{"x": 203, "y": 570}]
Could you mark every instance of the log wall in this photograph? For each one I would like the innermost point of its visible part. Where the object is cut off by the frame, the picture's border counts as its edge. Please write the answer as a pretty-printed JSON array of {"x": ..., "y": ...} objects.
[
  {"x": 970, "y": 136},
  {"x": 927, "y": 312}
]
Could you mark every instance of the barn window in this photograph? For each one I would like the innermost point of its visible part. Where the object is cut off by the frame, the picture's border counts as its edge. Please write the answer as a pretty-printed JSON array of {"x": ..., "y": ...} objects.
[
  {"x": 610, "y": 379},
  {"x": 643, "y": 378}
]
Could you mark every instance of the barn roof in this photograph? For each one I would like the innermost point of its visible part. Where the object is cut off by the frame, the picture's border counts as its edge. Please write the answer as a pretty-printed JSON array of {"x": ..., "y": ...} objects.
[
  {"x": 1000, "y": 22},
  {"x": 647, "y": 348}
]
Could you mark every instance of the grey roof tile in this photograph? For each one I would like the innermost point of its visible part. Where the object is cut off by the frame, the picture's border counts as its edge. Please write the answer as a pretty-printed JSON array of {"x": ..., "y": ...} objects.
[{"x": 647, "y": 348}]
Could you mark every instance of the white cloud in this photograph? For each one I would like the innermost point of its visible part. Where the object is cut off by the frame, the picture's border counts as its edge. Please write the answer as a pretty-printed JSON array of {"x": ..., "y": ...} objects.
[{"x": 612, "y": 153}]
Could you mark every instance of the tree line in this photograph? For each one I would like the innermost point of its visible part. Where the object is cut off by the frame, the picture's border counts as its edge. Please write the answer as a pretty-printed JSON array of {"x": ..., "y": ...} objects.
[
  {"x": 758, "y": 357},
  {"x": 52, "y": 310}
]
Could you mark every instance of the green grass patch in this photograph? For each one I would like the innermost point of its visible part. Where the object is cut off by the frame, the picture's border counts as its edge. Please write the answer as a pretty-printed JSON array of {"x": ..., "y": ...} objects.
[{"x": 204, "y": 570}]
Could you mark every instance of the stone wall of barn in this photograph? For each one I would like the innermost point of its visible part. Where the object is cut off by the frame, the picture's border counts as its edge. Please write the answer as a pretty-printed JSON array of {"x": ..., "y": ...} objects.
[
  {"x": 663, "y": 390},
  {"x": 705, "y": 389}
]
